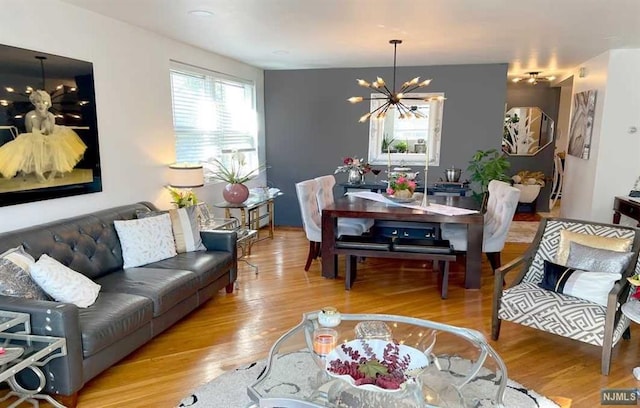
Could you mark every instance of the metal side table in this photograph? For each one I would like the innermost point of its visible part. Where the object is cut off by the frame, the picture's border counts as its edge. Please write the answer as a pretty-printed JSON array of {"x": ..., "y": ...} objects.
[{"x": 22, "y": 351}]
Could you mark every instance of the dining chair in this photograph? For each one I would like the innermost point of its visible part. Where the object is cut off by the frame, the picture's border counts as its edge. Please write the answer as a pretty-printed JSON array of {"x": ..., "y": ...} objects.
[
  {"x": 307, "y": 192},
  {"x": 501, "y": 206},
  {"x": 325, "y": 198}
]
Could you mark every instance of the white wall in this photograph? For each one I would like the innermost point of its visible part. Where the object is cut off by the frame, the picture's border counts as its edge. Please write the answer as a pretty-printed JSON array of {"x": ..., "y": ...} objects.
[
  {"x": 133, "y": 100},
  {"x": 591, "y": 185}
]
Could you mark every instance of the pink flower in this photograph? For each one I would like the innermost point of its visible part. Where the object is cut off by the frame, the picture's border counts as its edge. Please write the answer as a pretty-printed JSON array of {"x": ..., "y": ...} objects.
[
  {"x": 412, "y": 185},
  {"x": 390, "y": 191},
  {"x": 347, "y": 161},
  {"x": 401, "y": 180}
]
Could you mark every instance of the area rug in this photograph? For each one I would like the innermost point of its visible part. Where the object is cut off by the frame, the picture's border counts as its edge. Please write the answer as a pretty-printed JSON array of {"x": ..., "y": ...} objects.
[
  {"x": 522, "y": 231},
  {"x": 230, "y": 389}
]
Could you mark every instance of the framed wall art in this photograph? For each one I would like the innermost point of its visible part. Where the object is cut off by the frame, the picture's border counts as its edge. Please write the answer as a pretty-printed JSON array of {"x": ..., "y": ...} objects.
[
  {"x": 48, "y": 127},
  {"x": 584, "y": 109}
]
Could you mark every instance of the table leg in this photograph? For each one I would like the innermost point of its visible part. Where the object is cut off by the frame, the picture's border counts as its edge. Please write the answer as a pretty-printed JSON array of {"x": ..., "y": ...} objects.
[
  {"x": 227, "y": 213},
  {"x": 329, "y": 264},
  {"x": 616, "y": 217},
  {"x": 243, "y": 218},
  {"x": 473, "y": 268},
  {"x": 270, "y": 207}
]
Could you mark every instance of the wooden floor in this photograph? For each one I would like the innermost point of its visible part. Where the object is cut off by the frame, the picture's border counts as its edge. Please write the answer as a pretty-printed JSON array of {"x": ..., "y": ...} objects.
[{"x": 236, "y": 328}]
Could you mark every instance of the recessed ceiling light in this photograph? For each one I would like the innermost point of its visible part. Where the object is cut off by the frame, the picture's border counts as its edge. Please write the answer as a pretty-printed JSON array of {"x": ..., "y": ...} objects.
[{"x": 201, "y": 13}]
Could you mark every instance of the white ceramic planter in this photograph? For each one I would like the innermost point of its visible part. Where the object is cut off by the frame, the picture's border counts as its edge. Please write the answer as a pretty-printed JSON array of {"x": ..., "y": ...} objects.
[{"x": 528, "y": 192}]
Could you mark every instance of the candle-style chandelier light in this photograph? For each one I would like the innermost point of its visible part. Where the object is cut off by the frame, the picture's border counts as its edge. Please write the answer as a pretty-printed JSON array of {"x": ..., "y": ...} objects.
[{"x": 390, "y": 96}]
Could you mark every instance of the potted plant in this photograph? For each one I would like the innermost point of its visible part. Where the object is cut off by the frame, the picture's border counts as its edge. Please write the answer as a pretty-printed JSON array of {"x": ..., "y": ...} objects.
[
  {"x": 529, "y": 183},
  {"x": 182, "y": 198},
  {"x": 386, "y": 144},
  {"x": 235, "y": 191},
  {"x": 487, "y": 165},
  {"x": 402, "y": 146}
]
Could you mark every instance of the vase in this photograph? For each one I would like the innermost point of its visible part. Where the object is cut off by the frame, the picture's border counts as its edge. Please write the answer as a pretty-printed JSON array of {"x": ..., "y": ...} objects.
[
  {"x": 235, "y": 193},
  {"x": 403, "y": 194},
  {"x": 355, "y": 177}
]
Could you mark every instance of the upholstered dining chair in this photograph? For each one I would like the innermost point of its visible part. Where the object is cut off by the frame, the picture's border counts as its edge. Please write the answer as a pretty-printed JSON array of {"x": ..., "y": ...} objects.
[
  {"x": 325, "y": 198},
  {"x": 503, "y": 200},
  {"x": 307, "y": 192},
  {"x": 546, "y": 294}
]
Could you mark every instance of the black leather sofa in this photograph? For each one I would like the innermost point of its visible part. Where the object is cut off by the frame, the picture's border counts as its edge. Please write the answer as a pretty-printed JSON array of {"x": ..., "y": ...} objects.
[{"x": 133, "y": 306}]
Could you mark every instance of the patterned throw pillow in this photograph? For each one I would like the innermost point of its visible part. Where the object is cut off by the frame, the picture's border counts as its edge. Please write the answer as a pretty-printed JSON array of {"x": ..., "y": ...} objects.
[
  {"x": 592, "y": 286},
  {"x": 145, "y": 240},
  {"x": 596, "y": 241},
  {"x": 186, "y": 232},
  {"x": 595, "y": 259},
  {"x": 63, "y": 283},
  {"x": 185, "y": 226},
  {"x": 19, "y": 257},
  {"x": 16, "y": 281}
]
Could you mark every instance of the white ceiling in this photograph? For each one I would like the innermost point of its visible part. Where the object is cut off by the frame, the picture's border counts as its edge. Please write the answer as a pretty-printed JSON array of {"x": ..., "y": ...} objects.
[{"x": 552, "y": 36}]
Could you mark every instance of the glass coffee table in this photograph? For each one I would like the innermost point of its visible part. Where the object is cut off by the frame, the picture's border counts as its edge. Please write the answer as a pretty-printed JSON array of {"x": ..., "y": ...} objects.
[{"x": 463, "y": 369}]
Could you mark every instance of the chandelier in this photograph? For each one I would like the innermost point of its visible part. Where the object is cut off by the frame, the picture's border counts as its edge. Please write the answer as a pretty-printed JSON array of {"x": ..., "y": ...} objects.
[
  {"x": 391, "y": 97},
  {"x": 534, "y": 77}
]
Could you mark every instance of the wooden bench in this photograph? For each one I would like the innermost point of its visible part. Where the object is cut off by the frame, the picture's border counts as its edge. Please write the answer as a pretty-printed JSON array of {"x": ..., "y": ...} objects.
[{"x": 384, "y": 247}]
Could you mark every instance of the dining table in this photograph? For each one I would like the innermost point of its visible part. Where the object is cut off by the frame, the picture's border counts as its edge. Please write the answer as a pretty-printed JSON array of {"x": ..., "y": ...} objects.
[{"x": 354, "y": 206}]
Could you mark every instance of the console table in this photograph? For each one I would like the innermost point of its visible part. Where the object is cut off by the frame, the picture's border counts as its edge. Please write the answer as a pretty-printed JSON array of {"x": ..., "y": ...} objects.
[
  {"x": 626, "y": 206},
  {"x": 250, "y": 216}
]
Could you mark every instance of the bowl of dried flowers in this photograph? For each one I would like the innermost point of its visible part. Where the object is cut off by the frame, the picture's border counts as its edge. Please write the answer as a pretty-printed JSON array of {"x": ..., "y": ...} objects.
[{"x": 376, "y": 365}]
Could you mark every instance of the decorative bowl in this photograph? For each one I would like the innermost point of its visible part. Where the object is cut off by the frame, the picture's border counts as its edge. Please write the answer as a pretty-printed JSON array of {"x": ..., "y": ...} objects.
[
  {"x": 347, "y": 356},
  {"x": 399, "y": 199}
]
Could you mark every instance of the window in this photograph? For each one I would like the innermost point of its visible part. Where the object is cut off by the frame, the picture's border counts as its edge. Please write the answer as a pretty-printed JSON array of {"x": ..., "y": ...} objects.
[
  {"x": 213, "y": 114},
  {"x": 407, "y": 141}
]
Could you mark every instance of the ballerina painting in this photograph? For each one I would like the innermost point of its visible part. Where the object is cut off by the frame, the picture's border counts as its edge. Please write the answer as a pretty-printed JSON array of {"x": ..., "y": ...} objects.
[
  {"x": 46, "y": 148},
  {"x": 48, "y": 127}
]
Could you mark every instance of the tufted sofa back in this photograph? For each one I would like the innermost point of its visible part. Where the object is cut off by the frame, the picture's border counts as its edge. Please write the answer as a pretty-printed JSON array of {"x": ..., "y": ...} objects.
[{"x": 87, "y": 243}]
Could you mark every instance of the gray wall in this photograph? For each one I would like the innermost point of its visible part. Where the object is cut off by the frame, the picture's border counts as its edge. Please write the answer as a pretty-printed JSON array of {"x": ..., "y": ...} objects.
[
  {"x": 310, "y": 126},
  {"x": 547, "y": 99}
]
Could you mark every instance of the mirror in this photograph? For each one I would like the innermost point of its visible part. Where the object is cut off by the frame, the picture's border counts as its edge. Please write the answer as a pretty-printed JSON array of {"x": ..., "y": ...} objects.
[
  {"x": 406, "y": 141},
  {"x": 527, "y": 130}
]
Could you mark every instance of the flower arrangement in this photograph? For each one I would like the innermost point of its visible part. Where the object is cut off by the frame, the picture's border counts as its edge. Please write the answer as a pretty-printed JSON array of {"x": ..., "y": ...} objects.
[
  {"x": 529, "y": 178},
  {"x": 399, "y": 184},
  {"x": 353, "y": 163},
  {"x": 233, "y": 173},
  {"x": 182, "y": 198}
]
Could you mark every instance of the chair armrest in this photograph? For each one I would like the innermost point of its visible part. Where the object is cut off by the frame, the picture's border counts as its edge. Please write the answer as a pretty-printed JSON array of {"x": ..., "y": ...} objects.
[
  {"x": 219, "y": 240},
  {"x": 502, "y": 271},
  {"x": 55, "y": 319}
]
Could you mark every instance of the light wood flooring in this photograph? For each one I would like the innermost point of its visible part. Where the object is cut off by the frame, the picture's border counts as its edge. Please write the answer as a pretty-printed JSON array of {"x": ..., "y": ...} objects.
[{"x": 237, "y": 328}]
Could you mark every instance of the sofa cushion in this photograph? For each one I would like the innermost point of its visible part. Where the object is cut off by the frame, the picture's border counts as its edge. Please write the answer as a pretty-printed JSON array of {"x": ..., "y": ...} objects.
[
  {"x": 63, "y": 283},
  {"x": 208, "y": 266},
  {"x": 145, "y": 240},
  {"x": 111, "y": 318},
  {"x": 15, "y": 281},
  {"x": 532, "y": 306},
  {"x": 165, "y": 287}
]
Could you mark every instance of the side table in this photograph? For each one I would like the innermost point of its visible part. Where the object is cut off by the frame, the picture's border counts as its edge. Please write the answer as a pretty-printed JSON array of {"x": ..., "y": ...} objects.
[
  {"x": 26, "y": 351},
  {"x": 245, "y": 240},
  {"x": 250, "y": 215},
  {"x": 631, "y": 309}
]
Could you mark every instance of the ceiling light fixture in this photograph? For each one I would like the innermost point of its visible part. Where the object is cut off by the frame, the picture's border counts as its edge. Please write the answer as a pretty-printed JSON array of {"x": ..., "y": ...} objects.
[
  {"x": 533, "y": 78},
  {"x": 392, "y": 97}
]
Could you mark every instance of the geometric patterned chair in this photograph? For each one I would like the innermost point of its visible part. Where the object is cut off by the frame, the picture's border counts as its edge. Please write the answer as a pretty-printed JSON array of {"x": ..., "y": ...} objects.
[{"x": 525, "y": 303}]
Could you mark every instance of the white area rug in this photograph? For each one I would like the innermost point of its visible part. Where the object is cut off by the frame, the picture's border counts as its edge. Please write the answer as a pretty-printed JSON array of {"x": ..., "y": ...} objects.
[
  {"x": 522, "y": 231},
  {"x": 230, "y": 389}
]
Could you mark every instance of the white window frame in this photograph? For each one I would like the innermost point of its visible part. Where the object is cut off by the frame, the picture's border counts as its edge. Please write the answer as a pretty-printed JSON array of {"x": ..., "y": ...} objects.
[{"x": 207, "y": 126}]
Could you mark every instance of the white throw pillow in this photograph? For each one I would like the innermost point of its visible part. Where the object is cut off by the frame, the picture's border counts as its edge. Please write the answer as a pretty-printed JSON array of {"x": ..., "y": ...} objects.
[
  {"x": 145, "y": 240},
  {"x": 64, "y": 284}
]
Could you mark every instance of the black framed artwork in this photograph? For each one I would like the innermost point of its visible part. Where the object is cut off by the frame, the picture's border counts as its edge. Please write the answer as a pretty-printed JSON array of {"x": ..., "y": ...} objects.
[{"x": 48, "y": 127}]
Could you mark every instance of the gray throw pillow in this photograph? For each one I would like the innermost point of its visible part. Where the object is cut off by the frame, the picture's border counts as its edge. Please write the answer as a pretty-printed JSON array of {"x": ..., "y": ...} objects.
[
  {"x": 595, "y": 259},
  {"x": 15, "y": 281}
]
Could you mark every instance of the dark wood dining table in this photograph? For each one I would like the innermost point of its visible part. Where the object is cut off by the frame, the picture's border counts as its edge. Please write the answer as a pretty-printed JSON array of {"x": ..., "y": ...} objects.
[{"x": 356, "y": 207}]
